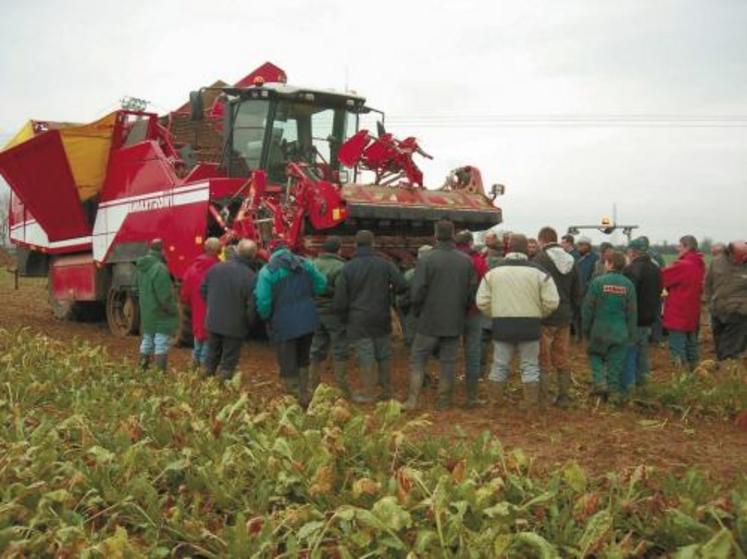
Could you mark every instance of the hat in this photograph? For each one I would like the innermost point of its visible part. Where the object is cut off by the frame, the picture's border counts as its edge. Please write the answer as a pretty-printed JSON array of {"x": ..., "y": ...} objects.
[
  {"x": 276, "y": 244},
  {"x": 645, "y": 241},
  {"x": 638, "y": 245},
  {"x": 583, "y": 240}
]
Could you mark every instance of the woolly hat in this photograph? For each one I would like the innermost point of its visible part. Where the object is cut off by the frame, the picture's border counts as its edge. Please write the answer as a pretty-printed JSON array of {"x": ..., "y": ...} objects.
[{"x": 639, "y": 245}]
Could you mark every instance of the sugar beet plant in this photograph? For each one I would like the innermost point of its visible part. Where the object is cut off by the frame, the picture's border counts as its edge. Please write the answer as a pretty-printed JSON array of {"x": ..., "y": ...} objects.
[{"x": 99, "y": 460}]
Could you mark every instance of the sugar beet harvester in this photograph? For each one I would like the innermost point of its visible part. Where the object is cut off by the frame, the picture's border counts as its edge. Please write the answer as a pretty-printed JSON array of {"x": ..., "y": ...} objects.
[{"x": 259, "y": 160}]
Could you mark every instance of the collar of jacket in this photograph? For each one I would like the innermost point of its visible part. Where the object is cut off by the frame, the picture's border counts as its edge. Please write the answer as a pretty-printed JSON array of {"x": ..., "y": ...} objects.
[
  {"x": 551, "y": 245},
  {"x": 447, "y": 245},
  {"x": 363, "y": 252},
  {"x": 330, "y": 256},
  {"x": 641, "y": 257},
  {"x": 243, "y": 261},
  {"x": 516, "y": 256}
]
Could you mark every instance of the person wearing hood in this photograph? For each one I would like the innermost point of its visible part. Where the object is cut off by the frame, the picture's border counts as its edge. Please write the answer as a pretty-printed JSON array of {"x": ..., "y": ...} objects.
[
  {"x": 726, "y": 293},
  {"x": 646, "y": 278},
  {"x": 227, "y": 292},
  {"x": 609, "y": 322},
  {"x": 556, "y": 328},
  {"x": 683, "y": 280},
  {"x": 159, "y": 317},
  {"x": 190, "y": 295},
  {"x": 330, "y": 334},
  {"x": 285, "y": 292},
  {"x": 363, "y": 300},
  {"x": 517, "y": 295}
]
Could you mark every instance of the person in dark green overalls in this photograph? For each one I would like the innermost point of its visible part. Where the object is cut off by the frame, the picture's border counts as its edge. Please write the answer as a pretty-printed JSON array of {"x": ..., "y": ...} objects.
[{"x": 609, "y": 318}]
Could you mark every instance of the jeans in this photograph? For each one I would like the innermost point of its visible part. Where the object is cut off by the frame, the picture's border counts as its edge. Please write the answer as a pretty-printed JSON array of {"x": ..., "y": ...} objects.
[
  {"x": 370, "y": 350},
  {"x": 155, "y": 343},
  {"x": 329, "y": 334},
  {"x": 472, "y": 340},
  {"x": 199, "y": 351},
  {"x": 223, "y": 353},
  {"x": 637, "y": 367},
  {"x": 293, "y": 354},
  {"x": 607, "y": 369},
  {"x": 683, "y": 347},
  {"x": 447, "y": 349},
  {"x": 503, "y": 352}
]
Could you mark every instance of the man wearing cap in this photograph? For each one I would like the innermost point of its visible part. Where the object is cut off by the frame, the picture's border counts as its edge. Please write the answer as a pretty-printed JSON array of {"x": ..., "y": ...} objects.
[
  {"x": 285, "y": 292},
  {"x": 363, "y": 300},
  {"x": 726, "y": 294},
  {"x": 331, "y": 331},
  {"x": 646, "y": 278},
  {"x": 227, "y": 291},
  {"x": 158, "y": 313},
  {"x": 683, "y": 280},
  {"x": 190, "y": 295},
  {"x": 442, "y": 293}
]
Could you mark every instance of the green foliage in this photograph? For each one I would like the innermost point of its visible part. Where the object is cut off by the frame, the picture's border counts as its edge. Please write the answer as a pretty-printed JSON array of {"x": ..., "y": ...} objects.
[{"x": 99, "y": 460}]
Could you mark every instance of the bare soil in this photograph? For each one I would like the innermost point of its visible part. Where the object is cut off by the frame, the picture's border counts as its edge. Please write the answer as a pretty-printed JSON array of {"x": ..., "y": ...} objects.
[{"x": 600, "y": 438}]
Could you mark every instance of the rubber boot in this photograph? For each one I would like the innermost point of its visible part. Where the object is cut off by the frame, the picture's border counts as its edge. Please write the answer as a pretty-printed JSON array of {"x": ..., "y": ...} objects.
[
  {"x": 544, "y": 390},
  {"x": 304, "y": 396},
  {"x": 366, "y": 396},
  {"x": 161, "y": 362},
  {"x": 385, "y": 380},
  {"x": 600, "y": 391},
  {"x": 564, "y": 389},
  {"x": 416, "y": 384},
  {"x": 496, "y": 392},
  {"x": 445, "y": 393},
  {"x": 471, "y": 389},
  {"x": 144, "y": 362},
  {"x": 315, "y": 376},
  {"x": 291, "y": 386},
  {"x": 531, "y": 398},
  {"x": 341, "y": 378}
]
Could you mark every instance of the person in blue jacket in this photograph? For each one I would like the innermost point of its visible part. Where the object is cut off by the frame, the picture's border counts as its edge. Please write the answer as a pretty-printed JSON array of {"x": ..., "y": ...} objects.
[{"x": 285, "y": 292}]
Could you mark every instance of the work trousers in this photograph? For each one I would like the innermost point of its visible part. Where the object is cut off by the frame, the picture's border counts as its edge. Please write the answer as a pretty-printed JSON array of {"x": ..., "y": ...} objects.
[
  {"x": 607, "y": 367},
  {"x": 330, "y": 334},
  {"x": 554, "y": 346},
  {"x": 472, "y": 340},
  {"x": 637, "y": 367},
  {"x": 373, "y": 350},
  {"x": 683, "y": 348},
  {"x": 222, "y": 354},
  {"x": 447, "y": 350},
  {"x": 293, "y": 354},
  {"x": 730, "y": 335},
  {"x": 503, "y": 352}
]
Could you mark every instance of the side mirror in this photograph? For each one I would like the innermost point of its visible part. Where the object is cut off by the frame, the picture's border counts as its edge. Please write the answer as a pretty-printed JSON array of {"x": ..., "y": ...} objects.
[
  {"x": 497, "y": 190},
  {"x": 197, "y": 110}
]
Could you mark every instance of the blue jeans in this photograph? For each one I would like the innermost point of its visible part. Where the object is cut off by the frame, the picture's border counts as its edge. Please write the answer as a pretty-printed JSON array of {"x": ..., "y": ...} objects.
[
  {"x": 503, "y": 352},
  {"x": 637, "y": 367},
  {"x": 199, "y": 351},
  {"x": 155, "y": 343},
  {"x": 472, "y": 347},
  {"x": 683, "y": 348}
]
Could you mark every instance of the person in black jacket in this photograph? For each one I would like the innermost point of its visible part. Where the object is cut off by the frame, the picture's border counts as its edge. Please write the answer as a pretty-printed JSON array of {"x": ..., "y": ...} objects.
[
  {"x": 363, "y": 299},
  {"x": 443, "y": 290},
  {"x": 556, "y": 328},
  {"x": 646, "y": 277},
  {"x": 227, "y": 290}
]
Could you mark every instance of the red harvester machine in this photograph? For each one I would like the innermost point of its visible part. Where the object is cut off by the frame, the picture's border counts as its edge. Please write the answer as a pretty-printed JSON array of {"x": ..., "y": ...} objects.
[{"x": 259, "y": 160}]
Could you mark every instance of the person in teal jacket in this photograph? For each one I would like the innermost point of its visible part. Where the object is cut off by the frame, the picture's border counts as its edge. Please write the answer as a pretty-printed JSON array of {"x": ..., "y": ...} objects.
[
  {"x": 159, "y": 317},
  {"x": 609, "y": 318}
]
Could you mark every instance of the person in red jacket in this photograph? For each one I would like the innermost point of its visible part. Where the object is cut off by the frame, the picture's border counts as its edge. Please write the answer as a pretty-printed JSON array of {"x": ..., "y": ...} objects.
[
  {"x": 190, "y": 295},
  {"x": 683, "y": 280}
]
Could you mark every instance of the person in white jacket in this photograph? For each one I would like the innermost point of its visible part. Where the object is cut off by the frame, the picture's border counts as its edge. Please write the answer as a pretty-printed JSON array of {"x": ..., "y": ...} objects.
[{"x": 517, "y": 295}]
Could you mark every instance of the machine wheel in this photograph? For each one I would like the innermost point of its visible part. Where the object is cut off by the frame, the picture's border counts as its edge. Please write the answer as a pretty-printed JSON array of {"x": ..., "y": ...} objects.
[
  {"x": 122, "y": 312},
  {"x": 184, "y": 337}
]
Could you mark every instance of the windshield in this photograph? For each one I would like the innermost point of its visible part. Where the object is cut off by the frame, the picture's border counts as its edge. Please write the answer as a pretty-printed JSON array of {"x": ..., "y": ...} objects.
[{"x": 248, "y": 135}]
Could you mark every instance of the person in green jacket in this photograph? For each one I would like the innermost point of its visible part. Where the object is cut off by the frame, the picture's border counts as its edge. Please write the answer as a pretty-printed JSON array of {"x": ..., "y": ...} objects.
[
  {"x": 330, "y": 333},
  {"x": 157, "y": 301},
  {"x": 609, "y": 319}
]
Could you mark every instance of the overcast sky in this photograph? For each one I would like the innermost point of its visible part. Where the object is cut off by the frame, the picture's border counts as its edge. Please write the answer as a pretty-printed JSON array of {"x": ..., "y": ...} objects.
[{"x": 671, "y": 75}]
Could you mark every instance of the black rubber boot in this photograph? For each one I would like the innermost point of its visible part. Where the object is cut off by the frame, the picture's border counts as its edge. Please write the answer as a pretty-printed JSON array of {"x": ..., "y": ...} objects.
[
  {"x": 304, "y": 396},
  {"x": 161, "y": 362},
  {"x": 341, "y": 378},
  {"x": 416, "y": 384},
  {"x": 385, "y": 380},
  {"x": 366, "y": 396},
  {"x": 564, "y": 387},
  {"x": 144, "y": 362}
]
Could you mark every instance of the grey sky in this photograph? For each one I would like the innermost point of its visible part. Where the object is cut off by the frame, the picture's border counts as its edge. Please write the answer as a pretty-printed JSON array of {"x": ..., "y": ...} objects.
[{"x": 436, "y": 70}]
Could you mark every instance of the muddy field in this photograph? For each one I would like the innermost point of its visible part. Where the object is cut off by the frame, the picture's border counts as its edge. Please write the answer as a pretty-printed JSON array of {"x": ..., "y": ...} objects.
[{"x": 600, "y": 438}]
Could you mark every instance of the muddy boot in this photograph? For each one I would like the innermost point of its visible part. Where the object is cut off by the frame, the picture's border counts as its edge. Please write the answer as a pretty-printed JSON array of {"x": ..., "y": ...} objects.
[
  {"x": 600, "y": 392},
  {"x": 161, "y": 362},
  {"x": 472, "y": 400},
  {"x": 341, "y": 378},
  {"x": 304, "y": 387},
  {"x": 544, "y": 390},
  {"x": 416, "y": 384},
  {"x": 564, "y": 388},
  {"x": 315, "y": 376},
  {"x": 496, "y": 392},
  {"x": 366, "y": 396},
  {"x": 445, "y": 393},
  {"x": 144, "y": 362},
  {"x": 531, "y": 398},
  {"x": 385, "y": 380},
  {"x": 291, "y": 386}
]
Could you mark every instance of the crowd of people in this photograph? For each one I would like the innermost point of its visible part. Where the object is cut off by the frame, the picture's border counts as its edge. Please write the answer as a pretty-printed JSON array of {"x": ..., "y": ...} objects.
[{"x": 518, "y": 295}]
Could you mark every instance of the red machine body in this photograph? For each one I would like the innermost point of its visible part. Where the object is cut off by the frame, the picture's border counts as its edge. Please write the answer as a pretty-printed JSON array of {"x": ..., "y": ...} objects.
[{"x": 87, "y": 199}]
